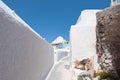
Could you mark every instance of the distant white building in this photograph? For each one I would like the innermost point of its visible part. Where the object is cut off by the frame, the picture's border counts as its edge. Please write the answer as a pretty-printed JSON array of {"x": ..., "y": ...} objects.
[
  {"x": 115, "y": 2},
  {"x": 83, "y": 37},
  {"x": 61, "y": 48}
]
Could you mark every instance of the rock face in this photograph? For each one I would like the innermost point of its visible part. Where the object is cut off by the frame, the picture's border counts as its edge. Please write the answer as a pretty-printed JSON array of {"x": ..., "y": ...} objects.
[{"x": 108, "y": 38}]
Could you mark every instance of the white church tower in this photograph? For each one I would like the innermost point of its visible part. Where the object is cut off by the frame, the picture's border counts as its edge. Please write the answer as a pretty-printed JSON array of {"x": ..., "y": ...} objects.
[{"x": 115, "y": 2}]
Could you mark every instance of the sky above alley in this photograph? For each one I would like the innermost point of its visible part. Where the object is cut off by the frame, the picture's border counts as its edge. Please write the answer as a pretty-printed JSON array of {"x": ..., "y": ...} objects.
[{"x": 53, "y": 18}]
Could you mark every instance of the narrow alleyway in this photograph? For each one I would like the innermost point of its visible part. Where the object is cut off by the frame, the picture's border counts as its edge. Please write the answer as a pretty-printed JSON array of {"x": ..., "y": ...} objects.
[{"x": 61, "y": 70}]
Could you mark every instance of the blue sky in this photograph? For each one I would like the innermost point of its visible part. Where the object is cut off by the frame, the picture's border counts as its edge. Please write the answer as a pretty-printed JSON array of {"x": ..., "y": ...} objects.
[{"x": 52, "y": 18}]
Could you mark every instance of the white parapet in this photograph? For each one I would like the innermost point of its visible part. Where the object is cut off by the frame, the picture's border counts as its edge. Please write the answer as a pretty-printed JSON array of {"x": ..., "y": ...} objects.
[
  {"x": 115, "y": 2},
  {"x": 24, "y": 55},
  {"x": 60, "y": 53}
]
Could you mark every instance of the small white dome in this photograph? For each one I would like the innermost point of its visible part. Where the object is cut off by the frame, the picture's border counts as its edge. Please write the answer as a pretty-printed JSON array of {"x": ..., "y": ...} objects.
[{"x": 59, "y": 40}]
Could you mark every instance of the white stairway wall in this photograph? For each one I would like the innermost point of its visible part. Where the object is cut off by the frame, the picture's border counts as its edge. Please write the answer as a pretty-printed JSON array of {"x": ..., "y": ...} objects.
[{"x": 24, "y": 55}]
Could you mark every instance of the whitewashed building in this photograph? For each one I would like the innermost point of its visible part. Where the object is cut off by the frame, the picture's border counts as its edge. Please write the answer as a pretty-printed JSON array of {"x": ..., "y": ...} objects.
[
  {"x": 61, "y": 48},
  {"x": 115, "y": 2},
  {"x": 83, "y": 37},
  {"x": 24, "y": 55}
]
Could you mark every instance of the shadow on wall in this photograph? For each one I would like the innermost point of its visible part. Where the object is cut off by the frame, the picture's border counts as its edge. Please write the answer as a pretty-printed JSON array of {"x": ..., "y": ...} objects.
[{"x": 23, "y": 54}]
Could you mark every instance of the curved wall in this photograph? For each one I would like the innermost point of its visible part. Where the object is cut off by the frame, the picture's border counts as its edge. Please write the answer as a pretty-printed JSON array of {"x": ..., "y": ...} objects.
[{"x": 61, "y": 54}]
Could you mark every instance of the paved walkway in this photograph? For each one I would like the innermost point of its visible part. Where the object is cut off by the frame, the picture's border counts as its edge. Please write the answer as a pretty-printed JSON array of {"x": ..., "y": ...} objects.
[{"x": 61, "y": 70}]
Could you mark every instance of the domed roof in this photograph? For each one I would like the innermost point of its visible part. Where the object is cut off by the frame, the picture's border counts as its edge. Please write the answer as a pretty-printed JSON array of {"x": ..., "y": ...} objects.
[{"x": 58, "y": 40}]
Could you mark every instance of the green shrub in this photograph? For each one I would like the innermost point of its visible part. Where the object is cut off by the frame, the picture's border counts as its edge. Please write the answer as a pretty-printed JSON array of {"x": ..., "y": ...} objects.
[
  {"x": 107, "y": 75},
  {"x": 104, "y": 75}
]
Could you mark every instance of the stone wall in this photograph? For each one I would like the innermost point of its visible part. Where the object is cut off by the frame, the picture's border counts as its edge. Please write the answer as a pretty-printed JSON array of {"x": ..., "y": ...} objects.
[{"x": 108, "y": 38}]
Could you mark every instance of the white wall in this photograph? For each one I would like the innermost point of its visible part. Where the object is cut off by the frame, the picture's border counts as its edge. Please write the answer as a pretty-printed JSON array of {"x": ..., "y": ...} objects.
[
  {"x": 83, "y": 36},
  {"x": 24, "y": 55},
  {"x": 61, "y": 53},
  {"x": 82, "y": 42},
  {"x": 115, "y": 2}
]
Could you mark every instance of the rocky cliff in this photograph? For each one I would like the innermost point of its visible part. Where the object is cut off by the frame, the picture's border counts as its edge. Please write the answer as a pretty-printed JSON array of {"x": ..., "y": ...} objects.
[{"x": 108, "y": 38}]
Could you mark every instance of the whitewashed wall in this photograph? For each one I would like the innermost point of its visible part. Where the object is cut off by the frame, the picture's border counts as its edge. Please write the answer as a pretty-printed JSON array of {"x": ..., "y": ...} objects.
[
  {"x": 61, "y": 53},
  {"x": 24, "y": 55},
  {"x": 83, "y": 36},
  {"x": 115, "y": 2}
]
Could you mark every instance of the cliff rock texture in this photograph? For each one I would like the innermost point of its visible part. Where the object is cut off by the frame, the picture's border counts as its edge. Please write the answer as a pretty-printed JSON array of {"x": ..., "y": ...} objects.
[{"x": 108, "y": 38}]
